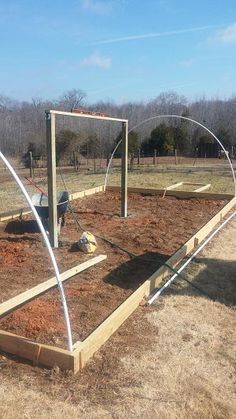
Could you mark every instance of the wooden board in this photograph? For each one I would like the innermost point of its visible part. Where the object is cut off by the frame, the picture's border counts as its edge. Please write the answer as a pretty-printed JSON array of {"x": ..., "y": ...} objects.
[
  {"x": 174, "y": 186},
  {"x": 36, "y": 352},
  {"x": 177, "y": 194},
  {"x": 87, "y": 192},
  {"x": 84, "y": 115},
  {"x": 203, "y": 188},
  {"x": 10, "y": 215},
  {"x": 84, "y": 350},
  {"x": 26, "y": 296}
]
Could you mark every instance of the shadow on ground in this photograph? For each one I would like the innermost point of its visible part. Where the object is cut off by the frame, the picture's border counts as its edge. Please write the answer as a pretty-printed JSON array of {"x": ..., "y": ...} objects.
[
  {"x": 22, "y": 227},
  {"x": 216, "y": 277},
  {"x": 131, "y": 274}
]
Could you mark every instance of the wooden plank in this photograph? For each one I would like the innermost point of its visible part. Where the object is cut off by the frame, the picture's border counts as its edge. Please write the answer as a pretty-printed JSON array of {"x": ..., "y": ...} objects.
[
  {"x": 203, "y": 188},
  {"x": 26, "y": 296},
  {"x": 10, "y": 215},
  {"x": 84, "y": 350},
  {"x": 168, "y": 188},
  {"x": 177, "y": 194},
  {"x": 194, "y": 183},
  {"x": 77, "y": 115},
  {"x": 87, "y": 192},
  {"x": 39, "y": 354},
  {"x": 175, "y": 185}
]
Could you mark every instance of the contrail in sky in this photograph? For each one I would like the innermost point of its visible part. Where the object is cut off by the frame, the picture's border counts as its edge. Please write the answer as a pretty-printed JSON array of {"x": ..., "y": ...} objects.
[{"x": 155, "y": 35}]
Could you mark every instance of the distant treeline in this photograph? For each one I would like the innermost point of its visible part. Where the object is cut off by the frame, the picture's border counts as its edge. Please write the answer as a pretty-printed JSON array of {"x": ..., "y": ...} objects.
[{"x": 22, "y": 125}]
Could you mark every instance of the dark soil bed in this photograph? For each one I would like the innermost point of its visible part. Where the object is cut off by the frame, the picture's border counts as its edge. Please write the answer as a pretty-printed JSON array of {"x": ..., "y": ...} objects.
[{"x": 154, "y": 230}]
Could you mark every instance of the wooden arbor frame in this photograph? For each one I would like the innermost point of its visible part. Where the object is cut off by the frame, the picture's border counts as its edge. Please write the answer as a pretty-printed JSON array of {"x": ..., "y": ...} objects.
[
  {"x": 51, "y": 155},
  {"x": 82, "y": 351}
]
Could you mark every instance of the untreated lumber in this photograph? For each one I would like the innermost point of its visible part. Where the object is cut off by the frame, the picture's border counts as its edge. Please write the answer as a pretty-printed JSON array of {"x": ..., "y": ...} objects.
[
  {"x": 203, "y": 188},
  {"x": 177, "y": 194},
  {"x": 38, "y": 353},
  {"x": 10, "y": 215},
  {"x": 174, "y": 186},
  {"x": 84, "y": 350},
  {"x": 80, "y": 115},
  {"x": 26, "y": 296},
  {"x": 194, "y": 183},
  {"x": 87, "y": 192}
]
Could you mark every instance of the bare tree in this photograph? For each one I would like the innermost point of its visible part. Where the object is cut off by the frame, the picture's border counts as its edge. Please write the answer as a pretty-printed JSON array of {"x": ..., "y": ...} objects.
[{"x": 72, "y": 99}]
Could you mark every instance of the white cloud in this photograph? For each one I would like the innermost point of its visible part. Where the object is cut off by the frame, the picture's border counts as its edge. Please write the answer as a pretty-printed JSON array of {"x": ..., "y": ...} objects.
[
  {"x": 98, "y": 7},
  {"x": 154, "y": 35},
  {"x": 97, "y": 60},
  {"x": 228, "y": 35}
]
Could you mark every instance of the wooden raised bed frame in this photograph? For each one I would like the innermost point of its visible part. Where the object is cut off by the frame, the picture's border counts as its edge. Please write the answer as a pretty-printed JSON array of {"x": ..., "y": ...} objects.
[{"x": 50, "y": 356}]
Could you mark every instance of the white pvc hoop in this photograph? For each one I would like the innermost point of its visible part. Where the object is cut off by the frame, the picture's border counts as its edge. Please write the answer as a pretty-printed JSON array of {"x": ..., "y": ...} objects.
[
  {"x": 178, "y": 117},
  {"x": 49, "y": 249}
]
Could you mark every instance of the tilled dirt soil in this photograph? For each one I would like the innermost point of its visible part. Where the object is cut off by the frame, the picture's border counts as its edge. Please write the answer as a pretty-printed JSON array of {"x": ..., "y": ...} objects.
[{"x": 154, "y": 230}]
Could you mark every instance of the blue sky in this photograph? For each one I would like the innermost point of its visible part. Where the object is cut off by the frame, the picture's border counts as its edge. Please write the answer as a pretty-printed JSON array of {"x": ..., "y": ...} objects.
[{"x": 122, "y": 50}]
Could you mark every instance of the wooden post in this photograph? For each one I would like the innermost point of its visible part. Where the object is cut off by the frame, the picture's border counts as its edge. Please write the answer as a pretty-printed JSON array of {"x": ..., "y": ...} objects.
[
  {"x": 139, "y": 156},
  {"x": 31, "y": 164},
  {"x": 124, "y": 168},
  {"x": 176, "y": 156},
  {"x": 52, "y": 186},
  {"x": 154, "y": 157},
  {"x": 75, "y": 160}
]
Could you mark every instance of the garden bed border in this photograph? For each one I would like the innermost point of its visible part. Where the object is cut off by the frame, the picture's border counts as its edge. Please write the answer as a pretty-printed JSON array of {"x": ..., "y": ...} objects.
[{"x": 50, "y": 356}]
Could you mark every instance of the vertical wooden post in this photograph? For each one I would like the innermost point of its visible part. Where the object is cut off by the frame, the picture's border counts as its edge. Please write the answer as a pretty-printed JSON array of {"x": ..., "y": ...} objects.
[
  {"x": 176, "y": 156},
  {"x": 74, "y": 161},
  {"x": 124, "y": 168},
  {"x": 139, "y": 152},
  {"x": 52, "y": 185},
  {"x": 31, "y": 164},
  {"x": 154, "y": 157}
]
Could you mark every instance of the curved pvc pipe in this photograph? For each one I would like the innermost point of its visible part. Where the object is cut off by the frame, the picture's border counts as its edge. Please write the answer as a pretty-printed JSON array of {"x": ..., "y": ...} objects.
[
  {"x": 168, "y": 283},
  {"x": 178, "y": 117},
  {"x": 49, "y": 248},
  {"x": 109, "y": 163}
]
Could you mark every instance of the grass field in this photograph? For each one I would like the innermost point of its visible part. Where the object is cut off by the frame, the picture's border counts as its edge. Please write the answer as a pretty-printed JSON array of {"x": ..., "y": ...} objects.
[{"x": 12, "y": 198}]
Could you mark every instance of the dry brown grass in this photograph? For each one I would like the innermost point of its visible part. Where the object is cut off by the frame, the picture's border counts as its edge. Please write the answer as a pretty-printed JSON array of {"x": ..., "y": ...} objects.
[{"x": 12, "y": 198}]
